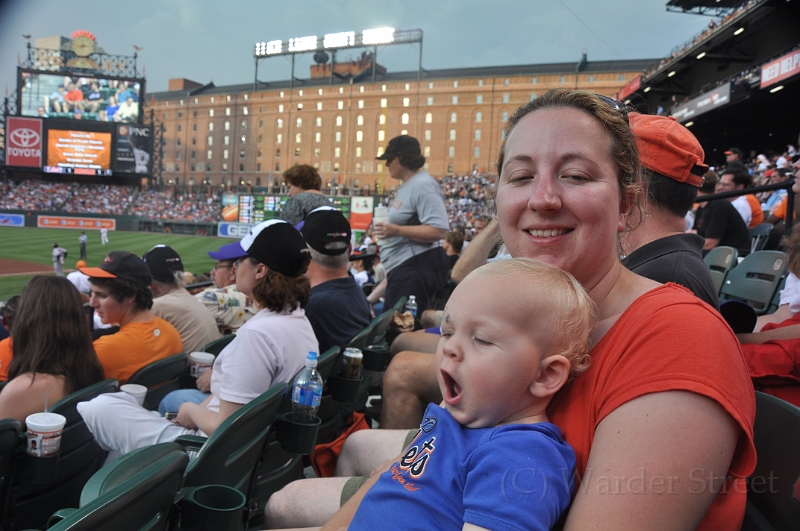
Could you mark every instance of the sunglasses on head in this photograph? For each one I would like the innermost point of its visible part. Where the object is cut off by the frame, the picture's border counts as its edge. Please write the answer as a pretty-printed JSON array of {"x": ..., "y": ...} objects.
[{"x": 615, "y": 105}]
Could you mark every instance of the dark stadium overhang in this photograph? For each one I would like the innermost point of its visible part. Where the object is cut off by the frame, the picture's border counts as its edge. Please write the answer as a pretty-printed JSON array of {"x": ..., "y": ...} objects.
[{"x": 703, "y": 7}]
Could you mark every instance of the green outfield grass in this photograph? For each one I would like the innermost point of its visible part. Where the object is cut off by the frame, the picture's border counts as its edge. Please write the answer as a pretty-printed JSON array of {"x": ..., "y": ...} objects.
[{"x": 35, "y": 245}]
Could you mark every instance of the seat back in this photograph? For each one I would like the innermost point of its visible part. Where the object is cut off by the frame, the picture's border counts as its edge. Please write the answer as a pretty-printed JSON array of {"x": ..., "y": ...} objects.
[
  {"x": 230, "y": 453},
  {"x": 362, "y": 338},
  {"x": 216, "y": 346},
  {"x": 759, "y": 235},
  {"x": 379, "y": 327},
  {"x": 79, "y": 458},
  {"x": 161, "y": 377},
  {"x": 135, "y": 493},
  {"x": 773, "y": 488},
  {"x": 720, "y": 260},
  {"x": 755, "y": 279},
  {"x": 9, "y": 445}
]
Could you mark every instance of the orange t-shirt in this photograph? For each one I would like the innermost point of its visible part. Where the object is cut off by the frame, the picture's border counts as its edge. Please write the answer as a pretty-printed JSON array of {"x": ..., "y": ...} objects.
[
  {"x": 5, "y": 358},
  {"x": 666, "y": 340},
  {"x": 136, "y": 345},
  {"x": 756, "y": 211}
]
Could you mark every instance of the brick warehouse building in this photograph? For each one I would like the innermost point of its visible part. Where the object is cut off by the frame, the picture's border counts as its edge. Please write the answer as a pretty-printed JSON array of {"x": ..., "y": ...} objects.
[{"x": 237, "y": 135}]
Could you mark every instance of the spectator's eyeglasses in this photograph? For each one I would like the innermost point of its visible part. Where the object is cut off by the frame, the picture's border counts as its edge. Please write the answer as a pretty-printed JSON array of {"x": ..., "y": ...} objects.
[
  {"x": 223, "y": 266},
  {"x": 615, "y": 105}
]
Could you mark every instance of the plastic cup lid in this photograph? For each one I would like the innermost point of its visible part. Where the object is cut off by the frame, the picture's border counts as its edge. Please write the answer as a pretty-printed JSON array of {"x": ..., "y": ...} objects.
[{"x": 46, "y": 421}]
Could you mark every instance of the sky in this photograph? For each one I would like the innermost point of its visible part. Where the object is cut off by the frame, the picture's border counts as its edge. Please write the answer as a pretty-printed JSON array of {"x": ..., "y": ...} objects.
[{"x": 208, "y": 40}]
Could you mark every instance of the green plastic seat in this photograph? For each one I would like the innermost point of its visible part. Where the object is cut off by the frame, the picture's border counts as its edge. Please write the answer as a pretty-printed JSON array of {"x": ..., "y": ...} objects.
[
  {"x": 773, "y": 496},
  {"x": 755, "y": 279},
  {"x": 720, "y": 260},
  {"x": 216, "y": 346},
  {"x": 759, "y": 235},
  {"x": 135, "y": 493},
  {"x": 362, "y": 338},
  {"x": 161, "y": 377},
  {"x": 80, "y": 457},
  {"x": 229, "y": 456}
]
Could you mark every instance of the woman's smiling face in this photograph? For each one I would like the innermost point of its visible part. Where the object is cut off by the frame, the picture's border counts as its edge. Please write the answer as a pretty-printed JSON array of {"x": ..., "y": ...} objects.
[{"x": 558, "y": 197}]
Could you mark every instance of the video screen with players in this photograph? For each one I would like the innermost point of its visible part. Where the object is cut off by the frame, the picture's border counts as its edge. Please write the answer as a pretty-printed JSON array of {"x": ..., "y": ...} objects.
[
  {"x": 94, "y": 99},
  {"x": 78, "y": 152}
]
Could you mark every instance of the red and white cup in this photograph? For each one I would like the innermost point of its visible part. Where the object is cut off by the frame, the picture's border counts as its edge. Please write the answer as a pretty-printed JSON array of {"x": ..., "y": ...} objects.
[{"x": 44, "y": 433}]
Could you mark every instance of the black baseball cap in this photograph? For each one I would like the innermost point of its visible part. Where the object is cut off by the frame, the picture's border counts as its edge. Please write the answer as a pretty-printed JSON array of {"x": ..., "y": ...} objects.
[
  {"x": 401, "y": 145},
  {"x": 326, "y": 225},
  {"x": 163, "y": 261},
  {"x": 277, "y": 245},
  {"x": 122, "y": 265}
]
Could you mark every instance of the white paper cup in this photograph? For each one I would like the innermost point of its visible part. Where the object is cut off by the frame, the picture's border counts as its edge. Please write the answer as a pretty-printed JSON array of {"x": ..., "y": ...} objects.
[
  {"x": 136, "y": 391},
  {"x": 200, "y": 362},
  {"x": 44, "y": 433}
]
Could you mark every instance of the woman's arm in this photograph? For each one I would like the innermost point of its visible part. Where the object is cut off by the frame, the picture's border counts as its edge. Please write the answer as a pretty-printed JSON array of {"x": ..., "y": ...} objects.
[
  {"x": 197, "y": 416},
  {"x": 656, "y": 463}
]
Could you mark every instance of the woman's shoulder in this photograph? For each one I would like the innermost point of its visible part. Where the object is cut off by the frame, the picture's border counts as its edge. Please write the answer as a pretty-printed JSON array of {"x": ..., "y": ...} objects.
[{"x": 25, "y": 394}]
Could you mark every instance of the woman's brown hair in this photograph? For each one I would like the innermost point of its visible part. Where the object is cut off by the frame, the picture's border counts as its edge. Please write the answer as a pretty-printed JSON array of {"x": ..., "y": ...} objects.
[
  {"x": 280, "y": 293},
  {"x": 303, "y": 176},
  {"x": 52, "y": 336}
]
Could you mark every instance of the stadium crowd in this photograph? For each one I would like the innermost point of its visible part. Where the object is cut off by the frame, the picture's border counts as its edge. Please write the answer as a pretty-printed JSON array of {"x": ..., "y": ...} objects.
[{"x": 495, "y": 357}]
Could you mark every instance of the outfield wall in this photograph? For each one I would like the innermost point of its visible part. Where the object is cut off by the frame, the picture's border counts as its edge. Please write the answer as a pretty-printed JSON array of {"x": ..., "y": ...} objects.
[{"x": 84, "y": 221}]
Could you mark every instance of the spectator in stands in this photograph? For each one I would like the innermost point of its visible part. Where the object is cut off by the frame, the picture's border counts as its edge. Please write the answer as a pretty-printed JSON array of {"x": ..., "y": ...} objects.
[
  {"x": 772, "y": 351},
  {"x": 733, "y": 155},
  {"x": 52, "y": 349},
  {"x": 7, "y": 314},
  {"x": 121, "y": 294},
  {"x": 74, "y": 98},
  {"x": 304, "y": 193},
  {"x": 718, "y": 221},
  {"x": 337, "y": 307},
  {"x": 415, "y": 262},
  {"x": 269, "y": 349},
  {"x": 174, "y": 304},
  {"x": 658, "y": 247},
  {"x": 230, "y": 307},
  {"x": 57, "y": 101},
  {"x": 453, "y": 243},
  {"x": 112, "y": 108},
  {"x": 81, "y": 281},
  {"x": 361, "y": 265},
  {"x": 567, "y": 157},
  {"x": 777, "y": 196},
  {"x": 128, "y": 112},
  {"x": 736, "y": 178}
]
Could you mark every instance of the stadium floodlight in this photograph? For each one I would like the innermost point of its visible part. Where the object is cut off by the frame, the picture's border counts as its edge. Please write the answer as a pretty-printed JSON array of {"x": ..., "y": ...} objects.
[
  {"x": 303, "y": 44},
  {"x": 377, "y": 36},
  {"x": 647, "y": 89},
  {"x": 339, "y": 40},
  {"x": 776, "y": 89},
  {"x": 701, "y": 55},
  {"x": 740, "y": 30},
  {"x": 672, "y": 73},
  {"x": 268, "y": 48},
  {"x": 688, "y": 124}
]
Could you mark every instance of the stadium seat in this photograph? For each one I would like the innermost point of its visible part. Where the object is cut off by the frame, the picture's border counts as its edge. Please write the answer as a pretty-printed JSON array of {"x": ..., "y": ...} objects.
[
  {"x": 773, "y": 496},
  {"x": 755, "y": 279},
  {"x": 9, "y": 445},
  {"x": 759, "y": 235},
  {"x": 362, "y": 338},
  {"x": 229, "y": 456},
  {"x": 216, "y": 346},
  {"x": 134, "y": 493},
  {"x": 32, "y": 502},
  {"x": 720, "y": 260},
  {"x": 161, "y": 377}
]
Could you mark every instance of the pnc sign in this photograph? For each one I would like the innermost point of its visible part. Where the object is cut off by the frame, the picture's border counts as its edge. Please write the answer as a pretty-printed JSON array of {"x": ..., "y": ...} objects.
[{"x": 24, "y": 142}]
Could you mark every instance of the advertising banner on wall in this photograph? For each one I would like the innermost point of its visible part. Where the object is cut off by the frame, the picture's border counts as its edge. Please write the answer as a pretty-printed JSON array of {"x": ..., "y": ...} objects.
[
  {"x": 12, "y": 220},
  {"x": 227, "y": 229},
  {"x": 133, "y": 148},
  {"x": 361, "y": 212},
  {"x": 780, "y": 69},
  {"x": 24, "y": 142},
  {"x": 702, "y": 104},
  {"x": 63, "y": 222}
]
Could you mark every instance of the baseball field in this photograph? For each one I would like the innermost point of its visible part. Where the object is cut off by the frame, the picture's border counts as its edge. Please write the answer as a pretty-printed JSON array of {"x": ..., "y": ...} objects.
[{"x": 26, "y": 251}]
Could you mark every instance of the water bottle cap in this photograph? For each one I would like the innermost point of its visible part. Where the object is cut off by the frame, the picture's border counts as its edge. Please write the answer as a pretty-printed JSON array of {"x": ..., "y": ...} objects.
[{"x": 311, "y": 359}]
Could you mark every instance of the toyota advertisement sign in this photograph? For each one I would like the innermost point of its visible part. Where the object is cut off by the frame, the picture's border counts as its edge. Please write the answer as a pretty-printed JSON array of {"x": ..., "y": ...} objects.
[{"x": 24, "y": 142}]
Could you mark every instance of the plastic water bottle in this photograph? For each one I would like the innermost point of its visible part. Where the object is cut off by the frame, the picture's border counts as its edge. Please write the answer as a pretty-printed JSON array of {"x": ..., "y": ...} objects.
[
  {"x": 381, "y": 215},
  {"x": 307, "y": 392},
  {"x": 411, "y": 306}
]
